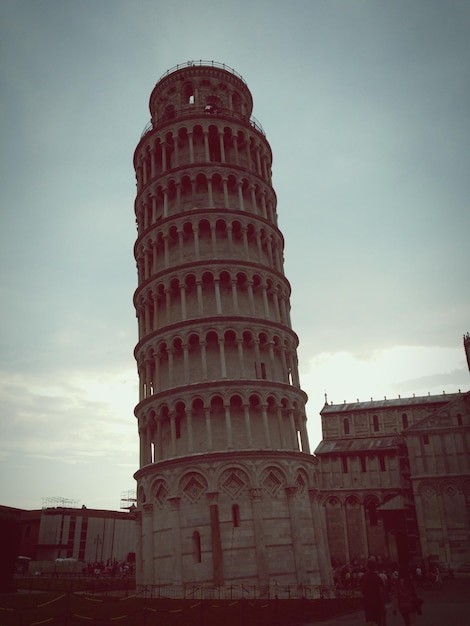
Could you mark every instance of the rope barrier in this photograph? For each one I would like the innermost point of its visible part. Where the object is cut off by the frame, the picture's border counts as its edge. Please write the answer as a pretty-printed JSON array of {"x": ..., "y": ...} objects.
[
  {"x": 51, "y": 601},
  {"x": 254, "y": 607}
]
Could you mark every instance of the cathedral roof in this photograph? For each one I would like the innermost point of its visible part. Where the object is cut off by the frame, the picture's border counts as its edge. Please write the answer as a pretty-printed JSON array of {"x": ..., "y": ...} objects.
[
  {"x": 392, "y": 403},
  {"x": 442, "y": 417}
]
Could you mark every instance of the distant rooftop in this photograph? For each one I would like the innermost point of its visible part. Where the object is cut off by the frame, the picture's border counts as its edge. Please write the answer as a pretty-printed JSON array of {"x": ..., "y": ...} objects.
[{"x": 385, "y": 403}]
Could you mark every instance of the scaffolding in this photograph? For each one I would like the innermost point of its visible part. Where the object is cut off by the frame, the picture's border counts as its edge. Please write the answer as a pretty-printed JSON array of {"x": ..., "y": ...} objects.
[
  {"x": 128, "y": 499},
  {"x": 58, "y": 502}
]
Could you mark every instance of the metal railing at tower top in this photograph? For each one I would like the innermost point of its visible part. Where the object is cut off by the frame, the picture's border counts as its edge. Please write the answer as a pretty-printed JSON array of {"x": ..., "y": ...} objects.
[
  {"x": 202, "y": 63},
  {"x": 192, "y": 110}
]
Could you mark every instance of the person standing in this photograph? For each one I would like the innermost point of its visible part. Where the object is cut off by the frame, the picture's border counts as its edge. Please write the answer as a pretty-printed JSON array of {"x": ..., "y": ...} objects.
[
  {"x": 373, "y": 592},
  {"x": 405, "y": 597}
]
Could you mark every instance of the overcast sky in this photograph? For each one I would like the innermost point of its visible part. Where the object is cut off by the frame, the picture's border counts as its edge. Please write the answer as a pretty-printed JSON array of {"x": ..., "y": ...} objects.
[{"x": 366, "y": 106}]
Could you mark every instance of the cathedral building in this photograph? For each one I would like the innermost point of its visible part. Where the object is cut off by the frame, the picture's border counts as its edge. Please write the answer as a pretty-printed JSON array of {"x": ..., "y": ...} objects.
[
  {"x": 395, "y": 479},
  {"x": 226, "y": 489}
]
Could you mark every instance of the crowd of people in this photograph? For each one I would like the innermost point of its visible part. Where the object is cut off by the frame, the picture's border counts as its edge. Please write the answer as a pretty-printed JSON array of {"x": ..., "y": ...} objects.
[
  {"x": 111, "y": 569},
  {"x": 381, "y": 584},
  {"x": 348, "y": 576}
]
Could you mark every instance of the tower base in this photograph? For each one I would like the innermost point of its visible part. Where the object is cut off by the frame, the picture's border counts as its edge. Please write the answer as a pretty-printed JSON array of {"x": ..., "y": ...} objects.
[{"x": 231, "y": 519}]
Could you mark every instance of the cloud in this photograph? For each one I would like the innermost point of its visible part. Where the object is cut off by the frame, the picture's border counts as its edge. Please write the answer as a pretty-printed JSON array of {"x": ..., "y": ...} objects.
[
  {"x": 441, "y": 381},
  {"x": 77, "y": 417},
  {"x": 365, "y": 108},
  {"x": 72, "y": 433},
  {"x": 386, "y": 372}
]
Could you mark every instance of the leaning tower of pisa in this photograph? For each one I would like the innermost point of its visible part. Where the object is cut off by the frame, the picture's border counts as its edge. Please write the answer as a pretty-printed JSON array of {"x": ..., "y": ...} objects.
[{"x": 226, "y": 488}]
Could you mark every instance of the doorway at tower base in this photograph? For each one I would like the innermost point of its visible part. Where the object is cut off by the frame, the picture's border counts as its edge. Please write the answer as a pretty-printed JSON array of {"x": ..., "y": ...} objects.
[{"x": 239, "y": 518}]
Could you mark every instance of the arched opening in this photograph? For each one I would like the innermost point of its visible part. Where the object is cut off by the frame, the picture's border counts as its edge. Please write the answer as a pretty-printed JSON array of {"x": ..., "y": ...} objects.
[
  {"x": 214, "y": 144},
  {"x": 179, "y": 417},
  {"x": 188, "y": 93},
  {"x": 218, "y": 191},
  {"x": 198, "y": 144}
]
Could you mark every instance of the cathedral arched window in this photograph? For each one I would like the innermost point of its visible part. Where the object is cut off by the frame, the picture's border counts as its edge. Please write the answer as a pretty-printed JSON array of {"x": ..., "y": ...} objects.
[
  {"x": 235, "y": 515},
  {"x": 196, "y": 547}
]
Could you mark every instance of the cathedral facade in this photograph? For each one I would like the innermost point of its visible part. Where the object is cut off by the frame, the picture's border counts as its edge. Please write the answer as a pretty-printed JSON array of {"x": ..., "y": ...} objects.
[{"x": 395, "y": 480}]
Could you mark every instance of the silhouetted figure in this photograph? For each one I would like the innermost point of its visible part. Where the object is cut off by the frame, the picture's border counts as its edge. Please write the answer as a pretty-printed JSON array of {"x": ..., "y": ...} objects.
[
  {"x": 406, "y": 598},
  {"x": 373, "y": 591}
]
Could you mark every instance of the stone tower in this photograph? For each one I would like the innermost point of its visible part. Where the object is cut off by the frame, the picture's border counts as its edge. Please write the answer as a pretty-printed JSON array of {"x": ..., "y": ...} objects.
[{"x": 226, "y": 488}]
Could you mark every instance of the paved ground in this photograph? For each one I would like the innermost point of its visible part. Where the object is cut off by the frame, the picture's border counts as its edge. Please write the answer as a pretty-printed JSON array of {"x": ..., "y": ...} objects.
[{"x": 449, "y": 606}]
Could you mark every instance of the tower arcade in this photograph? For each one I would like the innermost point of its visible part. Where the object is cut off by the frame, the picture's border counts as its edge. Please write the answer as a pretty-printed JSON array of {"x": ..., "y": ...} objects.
[{"x": 226, "y": 488}]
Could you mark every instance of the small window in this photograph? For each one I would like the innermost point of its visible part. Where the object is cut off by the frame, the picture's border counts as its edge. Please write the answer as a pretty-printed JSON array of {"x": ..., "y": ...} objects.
[
  {"x": 459, "y": 419},
  {"x": 235, "y": 515},
  {"x": 346, "y": 426},
  {"x": 375, "y": 423},
  {"x": 425, "y": 439},
  {"x": 363, "y": 463},
  {"x": 344, "y": 461},
  {"x": 404, "y": 420},
  {"x": 196, "y": 547}
]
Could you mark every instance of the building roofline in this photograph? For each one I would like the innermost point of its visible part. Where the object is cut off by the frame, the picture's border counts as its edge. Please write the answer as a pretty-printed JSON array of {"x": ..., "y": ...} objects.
[{"x": 390, "y": 403}]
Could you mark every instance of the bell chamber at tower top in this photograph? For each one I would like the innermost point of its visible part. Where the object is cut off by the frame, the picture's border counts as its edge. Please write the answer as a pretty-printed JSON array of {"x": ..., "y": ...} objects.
[
  {"x": 193, "y": 88},
  {"x": 201, "y": 115}
]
